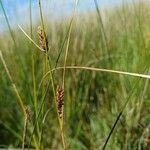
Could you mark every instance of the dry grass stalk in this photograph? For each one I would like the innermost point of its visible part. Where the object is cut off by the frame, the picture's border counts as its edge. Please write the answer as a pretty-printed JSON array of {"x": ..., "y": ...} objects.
[
  {"x": 146, "y": 137},
  {"x": 26, "y": 121},
  {"x": 60, "y": 100},
  {"x": 43, "y": 42}
]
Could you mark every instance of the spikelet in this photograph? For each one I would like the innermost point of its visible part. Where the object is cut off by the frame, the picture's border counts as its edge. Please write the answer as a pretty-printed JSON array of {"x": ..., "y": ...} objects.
[
  {"x": 60, "y": 100},
  {"x": 146, "y": 137},
  {"x": 26, "y": 121},
  {"x": 28, "y": 113},
  {"x": 43, "y": 42}
]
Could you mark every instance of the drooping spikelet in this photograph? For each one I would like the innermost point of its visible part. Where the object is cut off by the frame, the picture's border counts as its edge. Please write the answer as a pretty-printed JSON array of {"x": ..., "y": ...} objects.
[
  {"x": 43, "y": 42},
  {"x": 60, "y": 100}
]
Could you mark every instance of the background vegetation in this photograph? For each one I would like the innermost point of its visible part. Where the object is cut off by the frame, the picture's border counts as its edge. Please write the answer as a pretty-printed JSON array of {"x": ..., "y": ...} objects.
[{"x": 120, "y": 40}]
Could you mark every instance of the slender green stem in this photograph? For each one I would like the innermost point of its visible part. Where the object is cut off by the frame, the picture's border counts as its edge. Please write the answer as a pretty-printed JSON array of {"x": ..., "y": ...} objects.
[
  {"x": 41, "y": 15},
  {"x": 68, "y": 41},
  {"x": 102, "y": 30},
  {"x": 25, "y": 131},
  {"x": 19, "y": 100},
  {"x": 63, "y": 43},
  {"x": 39, "y": 112},
  {"x": 34, "y": 85},
  {"x": 31, "y": 39},
  {"x": 9, "y": 27},
  {"x": 118, "y": 117},
  {"x": 35, "y": 94},
  {"x": 66, "y": 54},
  {"x": 30, "y": 8},
  {"x": 51, "y": 75}
]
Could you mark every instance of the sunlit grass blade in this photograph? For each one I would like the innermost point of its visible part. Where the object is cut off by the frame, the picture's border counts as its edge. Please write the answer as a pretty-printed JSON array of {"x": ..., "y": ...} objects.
[
  {"x": 31, "y": 39},
  {"x": 99, "y": 70}
]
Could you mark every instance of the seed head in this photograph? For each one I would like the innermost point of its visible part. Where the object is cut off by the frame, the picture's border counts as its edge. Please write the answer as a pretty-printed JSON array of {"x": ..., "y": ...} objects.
[
  {"x": 28, "y": 113},
  {"x": 60, "y": 100},
  {"x": 43, "y": 42}
]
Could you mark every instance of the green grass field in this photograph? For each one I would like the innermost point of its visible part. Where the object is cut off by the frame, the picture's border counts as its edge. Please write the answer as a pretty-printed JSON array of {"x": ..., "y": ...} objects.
[{"x": 103, "y": 109}]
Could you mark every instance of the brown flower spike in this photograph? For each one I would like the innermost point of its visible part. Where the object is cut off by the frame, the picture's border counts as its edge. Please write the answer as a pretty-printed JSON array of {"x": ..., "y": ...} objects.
[
  {"x": 43, "y": 42},
  {"x": 60, "y": 100}
]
